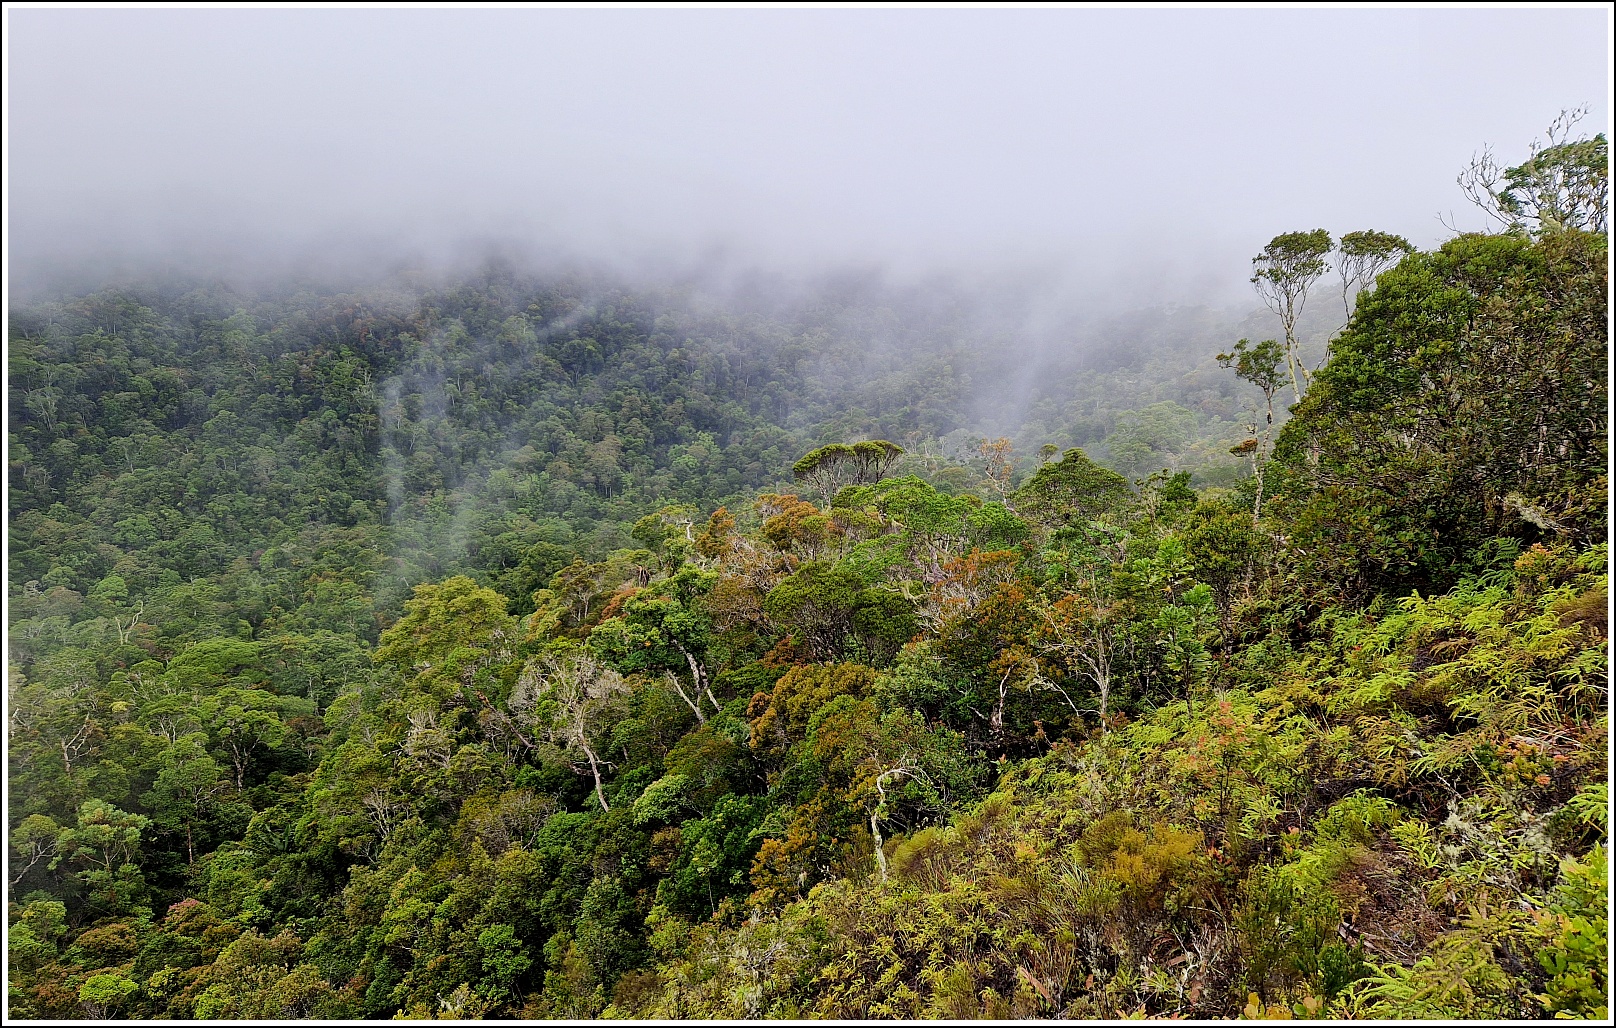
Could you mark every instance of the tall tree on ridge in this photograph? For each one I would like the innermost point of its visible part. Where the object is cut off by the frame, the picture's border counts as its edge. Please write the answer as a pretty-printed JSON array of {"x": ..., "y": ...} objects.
[
  {"x": 1362, "y": 257},
  {"x": 1283, "y": 273},
  {"x": 1563, "y": 183}
]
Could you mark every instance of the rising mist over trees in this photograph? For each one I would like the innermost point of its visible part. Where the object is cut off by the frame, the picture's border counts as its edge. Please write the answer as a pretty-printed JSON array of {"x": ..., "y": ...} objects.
[{"x": 557, "y": 647}]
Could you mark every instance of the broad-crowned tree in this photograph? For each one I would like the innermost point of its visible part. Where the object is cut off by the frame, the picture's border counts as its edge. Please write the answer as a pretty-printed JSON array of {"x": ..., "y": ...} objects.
[
  {"x": 1071, "y": 493},
  {"x": 243, "y": 723},
  {"x": 828, "y": 468},
  {"x": 665, "y": 630},
  {"x": 567, "y": 699},
  {"x": 1360, "y": 259},
  {"x": 1564, "y": 183},
  {"x": 103, "y": 849},
  {"x": 449, "y": 633},
  {"x": 1283, "y": 273},
  {"x": 187, "y": 791},
  {"x": 815, "y": 605}
]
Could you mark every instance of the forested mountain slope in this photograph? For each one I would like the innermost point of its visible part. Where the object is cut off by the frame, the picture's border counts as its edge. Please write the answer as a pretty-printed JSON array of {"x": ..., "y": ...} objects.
[
  {"x": 548, "y": 650},
  {"x": 457, "y": 430}
]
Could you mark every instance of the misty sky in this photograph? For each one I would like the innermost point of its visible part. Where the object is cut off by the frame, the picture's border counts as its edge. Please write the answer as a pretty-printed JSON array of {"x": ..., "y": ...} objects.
[{"x": 1145, "y": 148}]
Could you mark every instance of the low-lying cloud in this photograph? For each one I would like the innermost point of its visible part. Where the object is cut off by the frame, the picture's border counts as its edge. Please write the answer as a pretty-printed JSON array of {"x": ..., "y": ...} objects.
[{"x": 1135, "y": 155}]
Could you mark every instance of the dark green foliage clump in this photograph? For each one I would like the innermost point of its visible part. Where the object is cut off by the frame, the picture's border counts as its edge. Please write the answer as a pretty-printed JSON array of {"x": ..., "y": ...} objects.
[{"x": 1465, "y": 401}]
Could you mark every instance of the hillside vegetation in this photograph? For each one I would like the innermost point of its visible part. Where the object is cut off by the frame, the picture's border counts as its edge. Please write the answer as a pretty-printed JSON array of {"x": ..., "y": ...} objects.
[{"x": 548, "y": 650}]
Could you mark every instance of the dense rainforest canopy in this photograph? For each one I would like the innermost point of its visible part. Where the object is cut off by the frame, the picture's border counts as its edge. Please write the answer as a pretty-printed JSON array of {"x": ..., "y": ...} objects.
[{"x": 553, "y": 650}]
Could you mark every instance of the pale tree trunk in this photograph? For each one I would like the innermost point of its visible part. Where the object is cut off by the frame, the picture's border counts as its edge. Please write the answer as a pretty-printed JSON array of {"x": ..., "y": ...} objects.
[
  {"x": 238, "y": 761},
  {"x": 698, "y": 679},
  {"x": 694, "y": 705},
  {"x": 1259, "y": 456},
  {"x": 1100, "y": 672},
  {"x": 880, "y": 854},
  {"x": 125, "y": 631},
  {"x": 996, "y": 723},
  {"x": 74, "y": 746},
  {"x": 594, "y": 769},
  {"x": 1293, "y": 355},
  {"x": 880, "y": 806}
]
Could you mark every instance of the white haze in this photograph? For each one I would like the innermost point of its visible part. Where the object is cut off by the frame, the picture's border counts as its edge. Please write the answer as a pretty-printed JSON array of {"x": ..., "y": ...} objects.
[{"x": 1100, "y": 157}]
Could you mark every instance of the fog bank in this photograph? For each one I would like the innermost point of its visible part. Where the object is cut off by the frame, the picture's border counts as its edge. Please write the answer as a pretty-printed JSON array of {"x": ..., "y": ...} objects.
[{"x": 1112, "y": 157}]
